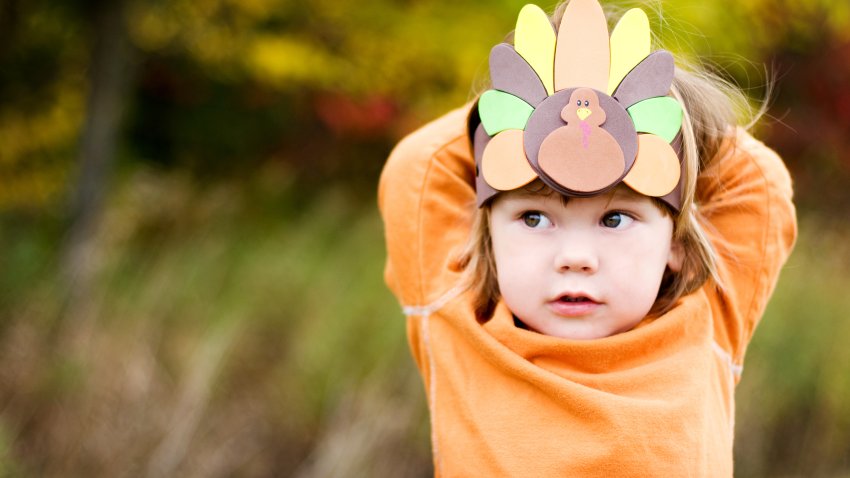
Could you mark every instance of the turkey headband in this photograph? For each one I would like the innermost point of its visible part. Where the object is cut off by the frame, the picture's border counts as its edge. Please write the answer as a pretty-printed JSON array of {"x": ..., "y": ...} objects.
[{"x": 580, "y": 111}]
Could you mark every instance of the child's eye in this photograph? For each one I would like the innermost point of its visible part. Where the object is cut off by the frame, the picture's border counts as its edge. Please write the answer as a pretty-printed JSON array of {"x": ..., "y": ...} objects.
[
  {"x": 616, "y": 220},
  {"x": 535, "y": 219}
]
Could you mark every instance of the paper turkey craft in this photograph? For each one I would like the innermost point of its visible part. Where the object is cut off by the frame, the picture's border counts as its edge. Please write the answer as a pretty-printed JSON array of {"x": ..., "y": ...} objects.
[
  {"x": 581, "y": 111},
  {"x": 582, "y": 155}
]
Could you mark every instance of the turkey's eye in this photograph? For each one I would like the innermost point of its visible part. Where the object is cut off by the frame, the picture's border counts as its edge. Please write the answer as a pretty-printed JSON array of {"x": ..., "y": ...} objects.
[
  {"x": 578, "y": 103},
  {"x": 586, "y": 103}
]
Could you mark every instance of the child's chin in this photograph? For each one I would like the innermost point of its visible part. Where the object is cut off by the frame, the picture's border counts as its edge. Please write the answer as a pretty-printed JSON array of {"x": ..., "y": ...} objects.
[
  {"x": 577, "y": 331},
  {"x": 583, "y": 335}
]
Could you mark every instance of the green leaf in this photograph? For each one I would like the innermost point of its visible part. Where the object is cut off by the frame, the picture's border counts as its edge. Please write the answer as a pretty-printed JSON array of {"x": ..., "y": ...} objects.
[
  {"x": 500, "y": 111},
  {"x": 661, "y": 116}
]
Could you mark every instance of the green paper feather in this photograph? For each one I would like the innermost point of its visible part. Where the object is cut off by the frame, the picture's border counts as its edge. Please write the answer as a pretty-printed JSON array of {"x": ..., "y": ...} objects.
[
  {"x": 500, "y": 111},
  {"x": 661, "y": 116}
]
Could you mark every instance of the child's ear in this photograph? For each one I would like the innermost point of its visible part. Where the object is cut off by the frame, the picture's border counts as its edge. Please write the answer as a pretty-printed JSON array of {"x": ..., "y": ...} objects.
[{"x": 676, "y": 256}]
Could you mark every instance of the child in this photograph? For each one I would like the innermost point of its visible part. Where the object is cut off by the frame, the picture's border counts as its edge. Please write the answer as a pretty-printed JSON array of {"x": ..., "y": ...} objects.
[{"x": 583, "y": 256}]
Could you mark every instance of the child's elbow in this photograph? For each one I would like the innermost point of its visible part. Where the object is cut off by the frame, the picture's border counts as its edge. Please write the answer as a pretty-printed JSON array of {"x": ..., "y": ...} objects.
[
  {"x": 781, "y": 190},
  {"x": 404, "y": 173}
]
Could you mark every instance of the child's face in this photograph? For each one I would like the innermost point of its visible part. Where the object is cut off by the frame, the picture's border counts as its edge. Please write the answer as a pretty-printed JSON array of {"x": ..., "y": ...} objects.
[{"x": 586, "y": 269}]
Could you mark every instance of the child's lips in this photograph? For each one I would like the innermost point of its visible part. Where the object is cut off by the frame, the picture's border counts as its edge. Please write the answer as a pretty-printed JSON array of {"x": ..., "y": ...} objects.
[{"x": 573, "y": 305}]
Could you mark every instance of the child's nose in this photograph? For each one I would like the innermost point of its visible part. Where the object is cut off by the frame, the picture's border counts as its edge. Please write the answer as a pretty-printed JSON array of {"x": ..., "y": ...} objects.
[{"x": 577, "y": 256}]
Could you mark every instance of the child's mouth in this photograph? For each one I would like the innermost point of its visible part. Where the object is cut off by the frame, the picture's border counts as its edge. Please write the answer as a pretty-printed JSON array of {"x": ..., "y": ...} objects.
[
  {"x": 574, "y": 299},
  {"x": 573, "y": 305}
]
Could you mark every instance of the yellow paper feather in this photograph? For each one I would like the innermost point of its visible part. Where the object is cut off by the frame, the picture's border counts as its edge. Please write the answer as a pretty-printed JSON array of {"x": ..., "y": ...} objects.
[
  {"x": 534, "y": 40},
  {"x": 630, "y": 43}
]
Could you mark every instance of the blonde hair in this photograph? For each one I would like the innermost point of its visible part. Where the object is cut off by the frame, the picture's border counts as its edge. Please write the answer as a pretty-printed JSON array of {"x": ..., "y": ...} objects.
[{"x": 712, "y": 108}]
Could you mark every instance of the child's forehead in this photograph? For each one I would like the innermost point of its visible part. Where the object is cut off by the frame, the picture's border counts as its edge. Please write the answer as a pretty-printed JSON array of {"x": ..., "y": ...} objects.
[{"x": 538, "y": 190}]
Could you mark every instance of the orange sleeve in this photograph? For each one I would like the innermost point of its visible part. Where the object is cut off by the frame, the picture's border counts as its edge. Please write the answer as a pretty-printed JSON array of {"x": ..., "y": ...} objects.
[
  {"x": 746, "y": 197},
  {"x": 427, "y": 200}
]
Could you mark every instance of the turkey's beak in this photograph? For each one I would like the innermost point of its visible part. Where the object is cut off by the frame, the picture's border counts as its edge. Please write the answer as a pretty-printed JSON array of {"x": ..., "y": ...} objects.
[{"x": 583, "y": 113}]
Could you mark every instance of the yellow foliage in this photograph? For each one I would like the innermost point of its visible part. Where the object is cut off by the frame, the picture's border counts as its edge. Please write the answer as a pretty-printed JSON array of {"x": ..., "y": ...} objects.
[
  {"x": 281, "y": 59},
  {"x": 215, "y": 46},
  {"x": 255, "y": 9},
  {"x": 34, "y": 188},
  {"x": 23, "y": 133},
  {"x": 33, "y": 173},
  {"x": 150, "y": 29}
]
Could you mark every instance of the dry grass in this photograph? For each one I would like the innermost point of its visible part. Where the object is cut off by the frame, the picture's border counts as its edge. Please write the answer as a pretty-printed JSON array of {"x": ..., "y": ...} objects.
[
  {"x": 223, "y": 340},
  {"x": 231, "y": 333}
]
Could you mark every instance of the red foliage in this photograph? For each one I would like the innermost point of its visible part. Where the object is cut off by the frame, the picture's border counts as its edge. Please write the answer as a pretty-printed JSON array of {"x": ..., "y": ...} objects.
[
  {"x": 813, "y": 106},
  {"x": 371, "y": 117}
]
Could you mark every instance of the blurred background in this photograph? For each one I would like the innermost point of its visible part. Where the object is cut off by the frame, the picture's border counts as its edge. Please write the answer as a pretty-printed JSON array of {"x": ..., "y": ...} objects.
[{"x": 191, "y": 256}]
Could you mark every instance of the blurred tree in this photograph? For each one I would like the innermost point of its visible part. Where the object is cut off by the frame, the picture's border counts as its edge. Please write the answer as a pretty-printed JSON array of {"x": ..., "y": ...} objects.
[
  {"x": 42, "y": 51},
  {"x": 323, "y": 89},
  {"x": 109, "y": 84},
  {"x": 806, "y": 46}
]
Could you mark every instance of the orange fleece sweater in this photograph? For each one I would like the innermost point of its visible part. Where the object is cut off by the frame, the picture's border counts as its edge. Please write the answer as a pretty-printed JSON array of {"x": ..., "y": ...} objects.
[{"x": 654, "y": 401}]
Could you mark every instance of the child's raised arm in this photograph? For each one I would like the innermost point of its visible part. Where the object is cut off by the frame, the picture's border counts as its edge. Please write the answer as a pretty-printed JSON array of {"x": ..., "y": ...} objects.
[
  {"x": 427, "y": 199},
  {"x": 745, "y": 195}
]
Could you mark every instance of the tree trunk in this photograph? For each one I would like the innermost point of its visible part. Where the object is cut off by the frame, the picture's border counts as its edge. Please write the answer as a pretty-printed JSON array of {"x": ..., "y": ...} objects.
[{"x": 110, "y": 79}]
